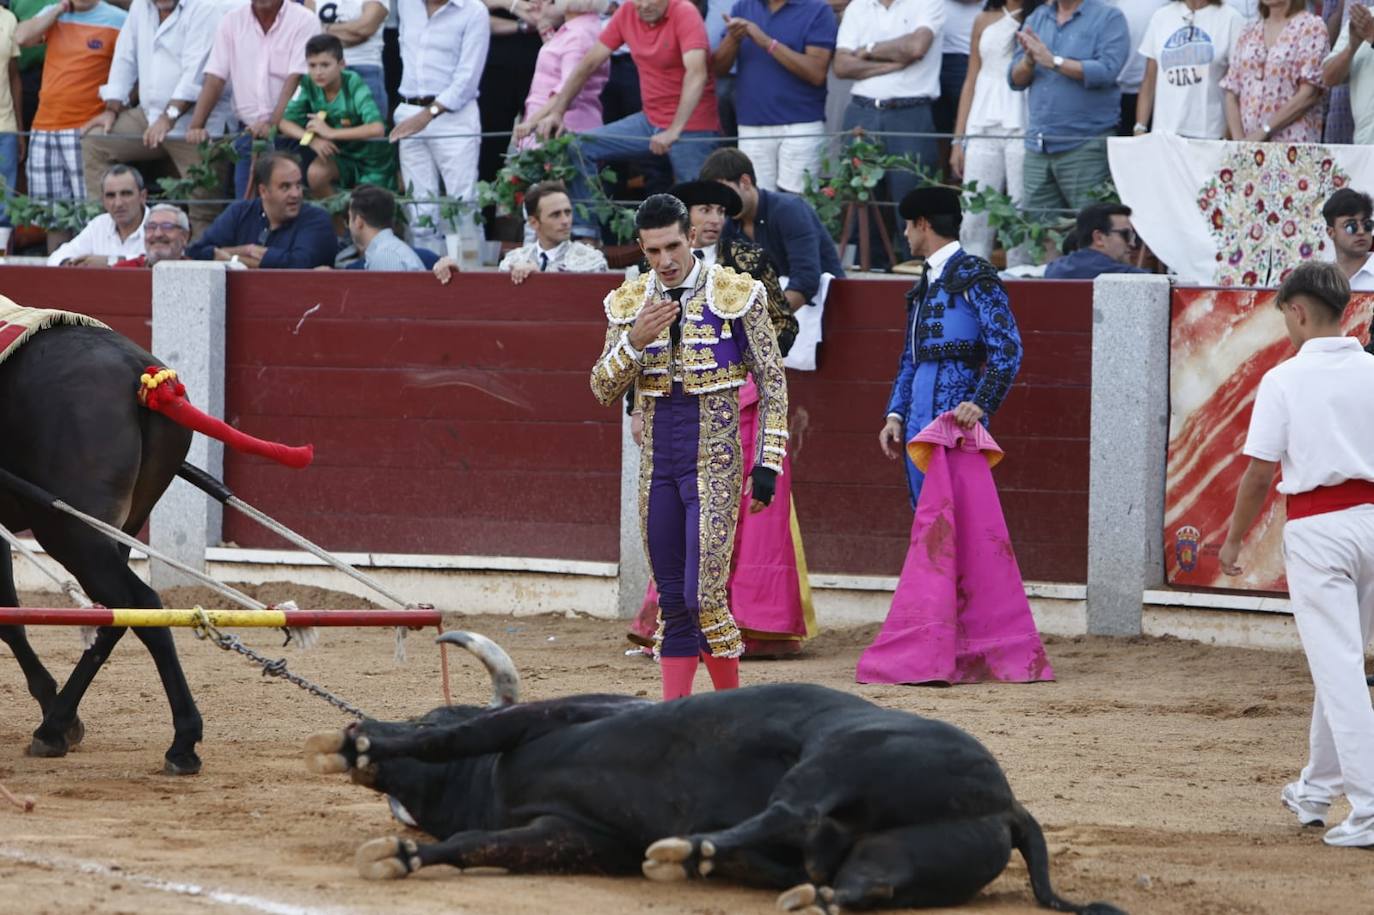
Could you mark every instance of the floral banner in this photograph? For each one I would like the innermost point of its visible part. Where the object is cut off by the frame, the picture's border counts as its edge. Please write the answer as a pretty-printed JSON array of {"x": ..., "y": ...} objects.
[
  {"x": 1221, "y": 343},
  {"x": 1233, "y": 214}
]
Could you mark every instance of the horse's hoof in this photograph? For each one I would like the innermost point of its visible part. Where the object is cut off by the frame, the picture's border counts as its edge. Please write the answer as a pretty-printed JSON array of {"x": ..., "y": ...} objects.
[
  {"x": 386, "y": 859},
  {"x": 47, "y": 749},
  {"x": 75, "y": 734},
  {"x": 808, "y": 899},
  {"x": 667, "y": 860},
  {"x": 188, "y": 764}
]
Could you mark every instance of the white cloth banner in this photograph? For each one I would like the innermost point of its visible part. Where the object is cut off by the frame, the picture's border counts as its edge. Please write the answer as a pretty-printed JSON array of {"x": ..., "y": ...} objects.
[
  {"x": 802, "y": 355},
  {"x": 1219, "y": 213}
]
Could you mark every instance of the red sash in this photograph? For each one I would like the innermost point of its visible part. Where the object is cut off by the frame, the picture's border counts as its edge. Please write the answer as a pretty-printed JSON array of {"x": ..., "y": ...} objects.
[{"x": 1325, "y": 499}]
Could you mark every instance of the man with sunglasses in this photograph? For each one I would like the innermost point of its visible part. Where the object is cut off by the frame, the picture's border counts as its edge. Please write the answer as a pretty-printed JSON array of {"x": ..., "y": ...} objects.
[
  {"x": 1351, "y": 229},
  {"x": 1106, "y": 241}
]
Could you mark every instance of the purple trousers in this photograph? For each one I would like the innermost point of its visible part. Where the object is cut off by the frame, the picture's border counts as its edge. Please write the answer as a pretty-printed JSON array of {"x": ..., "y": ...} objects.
[{"x": 674, "y": 522}]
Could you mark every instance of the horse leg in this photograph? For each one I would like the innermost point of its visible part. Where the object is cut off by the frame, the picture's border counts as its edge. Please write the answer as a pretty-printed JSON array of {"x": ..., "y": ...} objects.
[
  {"x": 41, "y": 684},
  {"x": 181, "y": 758}
]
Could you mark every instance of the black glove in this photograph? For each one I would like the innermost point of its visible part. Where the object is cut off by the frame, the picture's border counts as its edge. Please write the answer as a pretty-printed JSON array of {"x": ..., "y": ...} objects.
[{"x": 765, "y": 481}]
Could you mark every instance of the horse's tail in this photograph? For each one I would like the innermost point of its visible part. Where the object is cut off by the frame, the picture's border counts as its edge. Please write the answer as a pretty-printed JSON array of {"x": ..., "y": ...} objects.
[
  {"x": 1030, "y": 842},
  {"x": 160, "y": 391}
]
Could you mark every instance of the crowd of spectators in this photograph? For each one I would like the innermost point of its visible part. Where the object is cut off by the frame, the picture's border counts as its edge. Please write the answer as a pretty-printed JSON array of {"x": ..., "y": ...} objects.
[{"x": 394, "y": 95}]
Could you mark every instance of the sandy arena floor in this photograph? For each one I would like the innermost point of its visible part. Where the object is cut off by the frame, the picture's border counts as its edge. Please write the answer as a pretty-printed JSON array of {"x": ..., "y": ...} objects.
[{"x": 1154, "y": 766}]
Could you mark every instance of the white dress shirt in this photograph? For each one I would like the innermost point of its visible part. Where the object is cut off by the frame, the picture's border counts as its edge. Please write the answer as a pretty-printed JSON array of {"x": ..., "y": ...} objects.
[
  {"x": 443, "y": 55},
  {"x": 166, "y": 60},
  {"x": 868, "y": 22},
  {"x": 1363, "y": 280},
  {"x": 707, "y": 255},
  {"x": 101, "y": 238},
  {"x": 567, "y": 257}
]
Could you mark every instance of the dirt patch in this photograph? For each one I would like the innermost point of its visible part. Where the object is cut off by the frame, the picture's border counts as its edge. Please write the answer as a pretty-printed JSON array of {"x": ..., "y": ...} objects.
[{"x": 1154, "y": 765}]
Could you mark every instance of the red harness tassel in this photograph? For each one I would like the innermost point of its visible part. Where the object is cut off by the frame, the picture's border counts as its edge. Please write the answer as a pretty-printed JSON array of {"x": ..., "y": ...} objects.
[{"x": 160, "y": 391}]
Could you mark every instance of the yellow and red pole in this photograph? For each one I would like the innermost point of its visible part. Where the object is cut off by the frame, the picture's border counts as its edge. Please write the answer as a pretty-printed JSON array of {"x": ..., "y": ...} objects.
[{"x": 269, "y": 618}]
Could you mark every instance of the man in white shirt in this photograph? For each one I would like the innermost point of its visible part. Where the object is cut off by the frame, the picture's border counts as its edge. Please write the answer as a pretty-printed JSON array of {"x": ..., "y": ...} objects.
[
  {"x": 443, "y": 52},
  {"x": 116, "y": 234},
  {"x": 550, "y": 214},
  {"x": 1310, "y": 417},
  {"x": 1350, "y": 226},
  {"x": 161, "y": 50},
  {"x": 891, "y": 48}
]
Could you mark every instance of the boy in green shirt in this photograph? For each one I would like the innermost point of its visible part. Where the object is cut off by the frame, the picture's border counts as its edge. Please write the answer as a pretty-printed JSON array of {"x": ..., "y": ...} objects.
[{"x": 330, "y": 113}]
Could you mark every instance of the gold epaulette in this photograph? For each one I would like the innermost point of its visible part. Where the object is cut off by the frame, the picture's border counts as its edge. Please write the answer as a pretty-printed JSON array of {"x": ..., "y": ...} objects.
[
  {"x": 729, "y": 293},
  {"x": 623, "y": 303}
]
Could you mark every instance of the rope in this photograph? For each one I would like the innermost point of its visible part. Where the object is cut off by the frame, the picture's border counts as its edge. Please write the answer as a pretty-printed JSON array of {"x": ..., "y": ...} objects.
[
  {"x": 115, "y": 533},
  {"x": 206, "y": 631}
]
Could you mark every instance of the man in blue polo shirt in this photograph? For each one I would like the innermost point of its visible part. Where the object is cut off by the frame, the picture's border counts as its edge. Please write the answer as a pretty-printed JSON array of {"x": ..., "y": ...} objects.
[
  {"x": 275, "y": 230},
  {"x": 782, "y": 49},
  {"x": 1068, "y": 56},
  {"x": 783, "y": 224}
]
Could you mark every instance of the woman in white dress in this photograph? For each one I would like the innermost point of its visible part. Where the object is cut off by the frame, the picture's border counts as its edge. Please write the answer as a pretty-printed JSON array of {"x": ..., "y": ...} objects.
[{"x": 991, "y": 121}]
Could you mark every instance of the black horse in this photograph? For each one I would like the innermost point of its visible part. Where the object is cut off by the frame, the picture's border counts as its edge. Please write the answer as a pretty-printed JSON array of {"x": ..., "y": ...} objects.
[{"x": 71, "y": 423}]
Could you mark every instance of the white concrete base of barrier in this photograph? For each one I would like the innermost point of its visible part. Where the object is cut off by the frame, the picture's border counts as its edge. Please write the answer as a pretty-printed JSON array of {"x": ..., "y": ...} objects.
[{"x": 518, "y": 586}]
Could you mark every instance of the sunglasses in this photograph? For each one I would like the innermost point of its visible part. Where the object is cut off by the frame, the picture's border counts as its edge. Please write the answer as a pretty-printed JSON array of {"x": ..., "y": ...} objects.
[
  {"x": 161, "y": 226},
  {"x": 1356, "y": 226},
  {"x": 1127, "y": 235}
]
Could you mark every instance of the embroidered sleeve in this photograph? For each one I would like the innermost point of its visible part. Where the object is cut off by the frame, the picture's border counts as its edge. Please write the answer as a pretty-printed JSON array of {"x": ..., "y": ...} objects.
[
  {"x": 753, "y": 260},
  {"x": 513, "y": 257},
  {"x": 899, "y": 403},
  {"x": 615, "y": 372},
  {"x": 1002, "y": 340},
  {"x": 764, "y": 359},
  {"x": 585, "y": 259}
]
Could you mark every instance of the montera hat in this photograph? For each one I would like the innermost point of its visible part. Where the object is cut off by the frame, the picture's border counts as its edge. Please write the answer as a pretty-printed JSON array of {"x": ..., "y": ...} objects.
[
  {"x": 704, "y": 193},
  {"x": 930, "y": 201}
]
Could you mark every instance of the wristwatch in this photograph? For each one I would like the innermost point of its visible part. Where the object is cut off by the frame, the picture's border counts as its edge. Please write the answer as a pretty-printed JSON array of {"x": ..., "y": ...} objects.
[
  {"x": 1057, "y": 61},
  {"x": 435, "y": 110},
  {"x": 173, "y": 112}
]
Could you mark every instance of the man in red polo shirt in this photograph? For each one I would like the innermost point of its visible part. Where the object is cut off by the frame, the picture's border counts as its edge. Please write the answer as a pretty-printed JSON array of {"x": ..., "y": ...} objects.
[{"x": 668, "y": 42}]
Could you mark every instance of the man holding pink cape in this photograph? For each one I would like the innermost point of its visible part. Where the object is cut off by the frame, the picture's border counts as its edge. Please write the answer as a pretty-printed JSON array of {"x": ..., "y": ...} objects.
[{"x": 960, "y": 613}]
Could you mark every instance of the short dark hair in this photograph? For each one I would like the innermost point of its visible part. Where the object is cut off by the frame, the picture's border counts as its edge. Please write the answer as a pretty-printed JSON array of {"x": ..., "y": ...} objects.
[
  {"x": 661, "y": 211},
  {"x": 727, "y": 164},
  {"x": 1320, "y": 282},
  {"x": 119, "y": 168},
  {"x": 324, "y": 43},
  {"x": 946, "y": 225},
  {"x": 1346, "y": 202},
  {"x": 1097, "y": 217},
  {"x": 374, "y": 205},
  {"x": 267, "y": 163},
  {"x": 539, "y": 191}
]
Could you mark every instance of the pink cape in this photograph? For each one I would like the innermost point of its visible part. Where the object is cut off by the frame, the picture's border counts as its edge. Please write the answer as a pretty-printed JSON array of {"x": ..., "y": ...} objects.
[{"x": 959, "y": 614}]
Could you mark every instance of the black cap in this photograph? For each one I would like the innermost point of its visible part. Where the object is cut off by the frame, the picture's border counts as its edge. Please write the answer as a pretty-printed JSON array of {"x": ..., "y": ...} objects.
[
  {"x": 703, "y": 193},
  {"x": 930, "y": 201}
]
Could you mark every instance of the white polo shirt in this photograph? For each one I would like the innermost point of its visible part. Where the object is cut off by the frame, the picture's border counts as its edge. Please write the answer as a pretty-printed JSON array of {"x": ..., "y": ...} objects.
[
  {"x": 1312, "y": 415},
  {"x": 868, "y": 22},
  {"x": 1363, "y": 280}
]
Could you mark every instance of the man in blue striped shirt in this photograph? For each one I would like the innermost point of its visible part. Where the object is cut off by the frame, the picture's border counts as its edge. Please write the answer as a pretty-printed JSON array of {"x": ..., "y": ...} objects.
[{"x": 1068, "y": 56}]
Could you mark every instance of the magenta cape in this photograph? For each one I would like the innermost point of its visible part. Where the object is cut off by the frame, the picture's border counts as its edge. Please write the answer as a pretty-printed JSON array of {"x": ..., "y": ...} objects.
[{"x": 960, "y": 613}]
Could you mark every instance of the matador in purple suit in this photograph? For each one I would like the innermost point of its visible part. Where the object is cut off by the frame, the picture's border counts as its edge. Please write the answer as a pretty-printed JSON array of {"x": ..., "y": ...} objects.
[{"x": 686, "y": 336}]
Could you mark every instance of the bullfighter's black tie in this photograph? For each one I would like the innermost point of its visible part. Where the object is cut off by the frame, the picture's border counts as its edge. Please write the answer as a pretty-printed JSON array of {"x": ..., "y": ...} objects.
[{"x": 675, "y": 332}]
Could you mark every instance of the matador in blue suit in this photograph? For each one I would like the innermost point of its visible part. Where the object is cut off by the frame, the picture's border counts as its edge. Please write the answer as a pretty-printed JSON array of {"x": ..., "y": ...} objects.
[{"x": 962, "y": 347}]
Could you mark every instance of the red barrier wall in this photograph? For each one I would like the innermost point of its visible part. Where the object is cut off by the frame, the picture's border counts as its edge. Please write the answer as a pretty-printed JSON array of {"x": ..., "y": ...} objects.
[
  {"x": 459, "y": 419},
  {"x": 122, "y": 299},
  {"x": 435, "y": 435}
]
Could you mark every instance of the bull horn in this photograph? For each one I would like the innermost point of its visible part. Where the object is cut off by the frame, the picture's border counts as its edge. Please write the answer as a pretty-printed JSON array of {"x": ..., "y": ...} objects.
[{"x": 505, "y": 681}]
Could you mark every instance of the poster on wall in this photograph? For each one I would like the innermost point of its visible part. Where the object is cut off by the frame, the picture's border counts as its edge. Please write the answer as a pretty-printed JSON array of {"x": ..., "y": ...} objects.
[{"x": 1221, "y": 342}]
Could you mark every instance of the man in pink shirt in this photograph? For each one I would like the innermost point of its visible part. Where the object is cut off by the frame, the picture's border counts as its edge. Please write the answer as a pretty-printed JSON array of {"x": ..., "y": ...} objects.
[
  {"x": 259, "y": 53},
  {"x": 668, "y": 42}
]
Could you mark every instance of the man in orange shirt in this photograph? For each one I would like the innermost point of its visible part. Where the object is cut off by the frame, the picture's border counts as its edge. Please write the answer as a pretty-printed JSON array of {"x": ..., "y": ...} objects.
[{"x": 80, "y": 35}]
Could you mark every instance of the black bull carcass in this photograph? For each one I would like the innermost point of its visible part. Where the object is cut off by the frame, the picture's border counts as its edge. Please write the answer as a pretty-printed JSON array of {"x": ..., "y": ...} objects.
[{"x": 789, "y": 786}]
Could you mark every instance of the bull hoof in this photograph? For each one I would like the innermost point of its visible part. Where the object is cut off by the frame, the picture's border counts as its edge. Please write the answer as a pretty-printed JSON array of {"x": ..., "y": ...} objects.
[
  {"x": 76, "y": 733},
  {"x": 809, "y": 899},
  {"x": 674, "y": 859},
  {"x": 45, "y": 749},
  {"x": 182, "y": 764},
  {"x": 324, "y": 753},
  {"x": 387, "y": 859}
]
